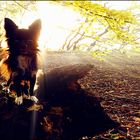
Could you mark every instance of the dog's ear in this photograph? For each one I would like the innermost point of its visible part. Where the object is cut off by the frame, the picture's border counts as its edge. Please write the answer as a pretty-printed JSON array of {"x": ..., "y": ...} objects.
[
  {"x": 10, "y": 27},
  {"x": 35, "y": 28}
]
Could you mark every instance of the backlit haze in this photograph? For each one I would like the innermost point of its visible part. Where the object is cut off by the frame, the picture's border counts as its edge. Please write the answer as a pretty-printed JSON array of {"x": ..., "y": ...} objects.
[{"x": 58, "y": 21}]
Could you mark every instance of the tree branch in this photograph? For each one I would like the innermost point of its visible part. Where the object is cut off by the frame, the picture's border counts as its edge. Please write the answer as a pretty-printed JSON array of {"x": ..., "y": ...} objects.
[{"x": 21, "y": 5}]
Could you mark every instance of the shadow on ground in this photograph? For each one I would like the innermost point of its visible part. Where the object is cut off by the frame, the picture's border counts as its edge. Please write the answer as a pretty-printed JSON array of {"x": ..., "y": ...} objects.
[{"x": 67, "y": 112}]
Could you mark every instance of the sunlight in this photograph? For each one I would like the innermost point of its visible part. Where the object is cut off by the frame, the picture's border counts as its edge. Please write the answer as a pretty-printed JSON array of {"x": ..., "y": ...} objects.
[{"x": 56, "y": 22}]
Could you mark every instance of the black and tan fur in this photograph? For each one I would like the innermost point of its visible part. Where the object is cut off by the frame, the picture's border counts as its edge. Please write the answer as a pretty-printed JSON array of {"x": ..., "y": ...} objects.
[{"x": 22, "y": 56}]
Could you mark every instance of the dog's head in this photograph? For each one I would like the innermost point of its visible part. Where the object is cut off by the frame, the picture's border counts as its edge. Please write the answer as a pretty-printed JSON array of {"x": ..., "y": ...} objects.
[
  {"x": 22, "y": 40},
  {"x": 13, "y": 32}
]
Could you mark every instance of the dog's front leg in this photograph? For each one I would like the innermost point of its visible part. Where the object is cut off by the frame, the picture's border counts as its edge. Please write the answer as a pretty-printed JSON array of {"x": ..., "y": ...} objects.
[
  {"x": 18, "y": 89},
  {"x": 32, "y": 84},
  {"x": 19, "y": 98}
]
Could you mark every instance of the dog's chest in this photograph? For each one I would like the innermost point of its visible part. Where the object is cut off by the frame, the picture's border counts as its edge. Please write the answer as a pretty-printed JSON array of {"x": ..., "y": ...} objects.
[{"x": 24, "y": 62}]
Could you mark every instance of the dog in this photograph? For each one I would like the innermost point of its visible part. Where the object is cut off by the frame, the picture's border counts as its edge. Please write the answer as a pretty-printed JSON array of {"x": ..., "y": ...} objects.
[{"x": 22, "y": 57}]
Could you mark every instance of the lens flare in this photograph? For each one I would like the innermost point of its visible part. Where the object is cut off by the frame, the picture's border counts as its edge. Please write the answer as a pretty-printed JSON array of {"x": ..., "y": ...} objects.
[{"x": 57, "y": 22}]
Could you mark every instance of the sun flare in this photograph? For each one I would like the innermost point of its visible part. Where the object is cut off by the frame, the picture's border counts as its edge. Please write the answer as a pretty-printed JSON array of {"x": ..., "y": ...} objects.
[{"x": 57, "y": 21}]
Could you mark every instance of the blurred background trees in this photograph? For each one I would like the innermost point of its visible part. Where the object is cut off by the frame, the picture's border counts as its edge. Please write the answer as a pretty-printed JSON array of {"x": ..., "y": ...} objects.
[{"x": 99, "y": 29}]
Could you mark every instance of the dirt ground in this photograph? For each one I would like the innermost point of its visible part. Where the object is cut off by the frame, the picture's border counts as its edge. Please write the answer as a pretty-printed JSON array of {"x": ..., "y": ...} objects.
[
  {"x": 81, "y": 98},
  {"x": 116, "y": 81}
]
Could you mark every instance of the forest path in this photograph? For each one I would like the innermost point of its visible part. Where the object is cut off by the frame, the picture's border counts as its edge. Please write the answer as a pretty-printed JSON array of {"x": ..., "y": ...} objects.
[{"x": 76, "y": 91}]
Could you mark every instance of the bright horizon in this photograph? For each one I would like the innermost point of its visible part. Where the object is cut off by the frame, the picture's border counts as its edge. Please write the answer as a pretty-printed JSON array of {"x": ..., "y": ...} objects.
[{"x": 58, "y": 21}]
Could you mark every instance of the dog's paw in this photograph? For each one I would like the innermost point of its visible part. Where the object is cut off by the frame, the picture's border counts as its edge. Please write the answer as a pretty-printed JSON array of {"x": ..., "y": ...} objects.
[
  {"x": 34, "y": 99},
  {"x": 25, "y": 96},
  {"x": 19, "y": 100}
]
